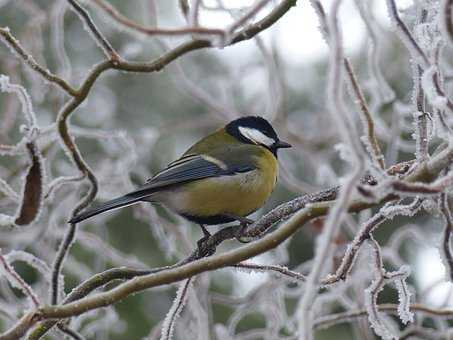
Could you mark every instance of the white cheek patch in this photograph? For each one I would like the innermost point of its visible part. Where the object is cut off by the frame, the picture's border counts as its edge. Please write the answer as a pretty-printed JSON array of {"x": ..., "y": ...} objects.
[{"x": 256, "y": 136}]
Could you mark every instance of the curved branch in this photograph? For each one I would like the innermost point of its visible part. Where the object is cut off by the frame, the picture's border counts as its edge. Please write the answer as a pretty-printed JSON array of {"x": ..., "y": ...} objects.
[
  {"x": 447, "y": 18},
  {"x": 98, "y": 37},
  {"x": 327, "y": 321},
  {"x": 29, "y": 60},
  {"x": 153, "y": 31},
  {"x": 424, "y": 173}
]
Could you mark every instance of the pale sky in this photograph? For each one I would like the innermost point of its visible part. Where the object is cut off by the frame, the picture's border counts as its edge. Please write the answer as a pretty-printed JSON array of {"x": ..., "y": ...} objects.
[{"x": 297, "y": 32}]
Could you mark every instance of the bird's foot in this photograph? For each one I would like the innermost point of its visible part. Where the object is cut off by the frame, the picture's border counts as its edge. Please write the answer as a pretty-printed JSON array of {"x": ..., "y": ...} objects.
[
  {"x": 245, "y": 222},
  {"x": 203, "y": 248},
  {"x": 201, "y": 243}
]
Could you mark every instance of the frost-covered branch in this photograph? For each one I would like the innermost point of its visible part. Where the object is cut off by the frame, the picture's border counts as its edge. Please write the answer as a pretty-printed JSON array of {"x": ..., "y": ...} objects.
[
  {"x": 168, "y": 326},
  {"x": 17, "y": 281},
  {"x": 388, "y": 211},
  {"x": 383, "y": 277},
  {"x": 155, "y": 31},
  {"x": 84, "y": 90},
  {"x": 406, "y": 36},
  {"x": 14, "y": 44},
  {"x": 31, "y": 198},
  {"x": 280, "y": 270},
  {"x": 447, "y": 234},
  {"x": 345, "y": 317},
  {"x": 98, "y": 36},
  {"x": 356, "y": 162},
  {"x": 54, "y": 169},
  {"x": 371, "y": 141},
  {"x": 447, "y": 18},
  {"x": 188, "y": 269}
]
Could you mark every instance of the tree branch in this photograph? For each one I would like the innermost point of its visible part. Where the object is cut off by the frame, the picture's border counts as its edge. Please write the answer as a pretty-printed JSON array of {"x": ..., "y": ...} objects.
[
  {"x": 98, "y": 36},
  {"x": 310, "y": 211},
  {"x": 13, "y": 43},
  {"x": 328, "y": 321},
  {"x": 154, "y": 31}
]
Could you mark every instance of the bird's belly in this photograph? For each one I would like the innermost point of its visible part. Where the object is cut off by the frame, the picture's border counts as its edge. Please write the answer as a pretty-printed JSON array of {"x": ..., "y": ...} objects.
[{"x": 238, "y": 195}]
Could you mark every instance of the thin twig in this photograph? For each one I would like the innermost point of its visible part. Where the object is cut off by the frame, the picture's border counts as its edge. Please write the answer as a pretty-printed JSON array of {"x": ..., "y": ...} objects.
[
  {"x": 13, "y": 43},
  {"x": 271, "y": 268},
  {"x": 97, "y": 281},
  {"x": 364, "y": 234},
  {"x": 138, "y": 67},
  {"x": 331, "y": 320},
  {"x": 337, "y": 213},
  {"x": 70, "y": 332},
  {"x": 194, "y": 12},
  {"x": 369, "y": 128},
  {"x": 406, "y": 36},
  {"x": 376, "y": 152},
  {"x": 414, "y": 48},
  {"x": 447, "y": 233},
  {"x": 26, "y": 289},
  {"x": 169, "y": 324},
  {"x": 420, "y": 117},
  {"x": 447, "y": 18},
  {"x": 415, "y": 189},
  {"x": 427, "y": 174},
  {"x": 103, "y": 42},
  {"x": 187, "y": 270},
  {"x": 247, "y": 16},
  {"x": 63, "y": 250},
  {"x": 155, "y": 31}
]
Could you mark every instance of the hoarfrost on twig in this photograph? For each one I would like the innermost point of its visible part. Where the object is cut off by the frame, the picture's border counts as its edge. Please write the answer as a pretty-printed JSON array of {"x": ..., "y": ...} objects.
[{"x": 168, "y": 326}]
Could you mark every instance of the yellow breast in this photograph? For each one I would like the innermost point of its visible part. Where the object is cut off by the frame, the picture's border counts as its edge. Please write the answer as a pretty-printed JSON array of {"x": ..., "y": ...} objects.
[{"x": 239, "y": 194}]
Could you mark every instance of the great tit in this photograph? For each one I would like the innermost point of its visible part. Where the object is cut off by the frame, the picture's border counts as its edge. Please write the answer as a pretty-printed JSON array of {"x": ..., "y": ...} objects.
[{"x": 222, "y": 178}]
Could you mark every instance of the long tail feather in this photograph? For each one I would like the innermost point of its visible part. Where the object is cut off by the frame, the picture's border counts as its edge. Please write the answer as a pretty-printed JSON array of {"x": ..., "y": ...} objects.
[{"x": 116, "y": 203}]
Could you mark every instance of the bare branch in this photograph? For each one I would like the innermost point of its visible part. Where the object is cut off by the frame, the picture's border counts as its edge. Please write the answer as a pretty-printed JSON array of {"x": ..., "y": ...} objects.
[
  {"x": 247, "y": 16},
  {"x": 349, "y": 136},
  {"x": 70, "y": 332},
  {"x": 155, "y": 31},
  {"x": 298, "y": 220},
  {"x": 376, "y": 152},
  {"x": 63, "y": 250},
  {"x": 17, "y": 281},
  {"x": 406, "y": 36},
  {"x": 364, "y": 234},
  {"x": 447, "y": 18},
  {"x": 372, "y": 143},
  {"x": 13, "y": 43},
  {"x": 283, "y": 271},
  {"x": 99, "y": 38},
  {"x": 369, "y": 190},
  {"x": 194, "y": 11},
  {"x": 328, "y": 321},
  {"x": 415, "y": 50},
  {"x": 168, "y": 325},
  {"x": 447, "y": 234}
]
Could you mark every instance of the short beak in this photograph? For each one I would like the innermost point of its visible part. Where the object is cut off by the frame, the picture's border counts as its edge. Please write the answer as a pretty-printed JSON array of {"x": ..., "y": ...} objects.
[{"x": 282, "y": 145}]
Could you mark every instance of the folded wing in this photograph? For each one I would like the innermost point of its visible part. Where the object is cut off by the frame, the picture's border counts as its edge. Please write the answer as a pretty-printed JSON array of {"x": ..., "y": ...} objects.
[
  {"x": 187, "y": 169},
  {"x": 191, "y": 168}
]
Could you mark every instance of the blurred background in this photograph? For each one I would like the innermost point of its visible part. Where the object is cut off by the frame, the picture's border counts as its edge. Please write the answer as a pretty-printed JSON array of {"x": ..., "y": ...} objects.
[{"x": 132, "y": 125}]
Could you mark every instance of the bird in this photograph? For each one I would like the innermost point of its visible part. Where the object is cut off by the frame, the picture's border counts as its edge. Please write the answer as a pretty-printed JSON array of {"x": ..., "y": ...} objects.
[{"x": 224, "y": 177}]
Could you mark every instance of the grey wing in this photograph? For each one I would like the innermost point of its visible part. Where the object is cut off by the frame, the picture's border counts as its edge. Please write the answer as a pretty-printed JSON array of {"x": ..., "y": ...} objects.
[{"x": 191, "y": 168}]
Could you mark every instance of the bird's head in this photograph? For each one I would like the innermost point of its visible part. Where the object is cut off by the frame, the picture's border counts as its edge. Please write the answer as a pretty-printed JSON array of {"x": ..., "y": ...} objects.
[{"x": 256, "y": 130}]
